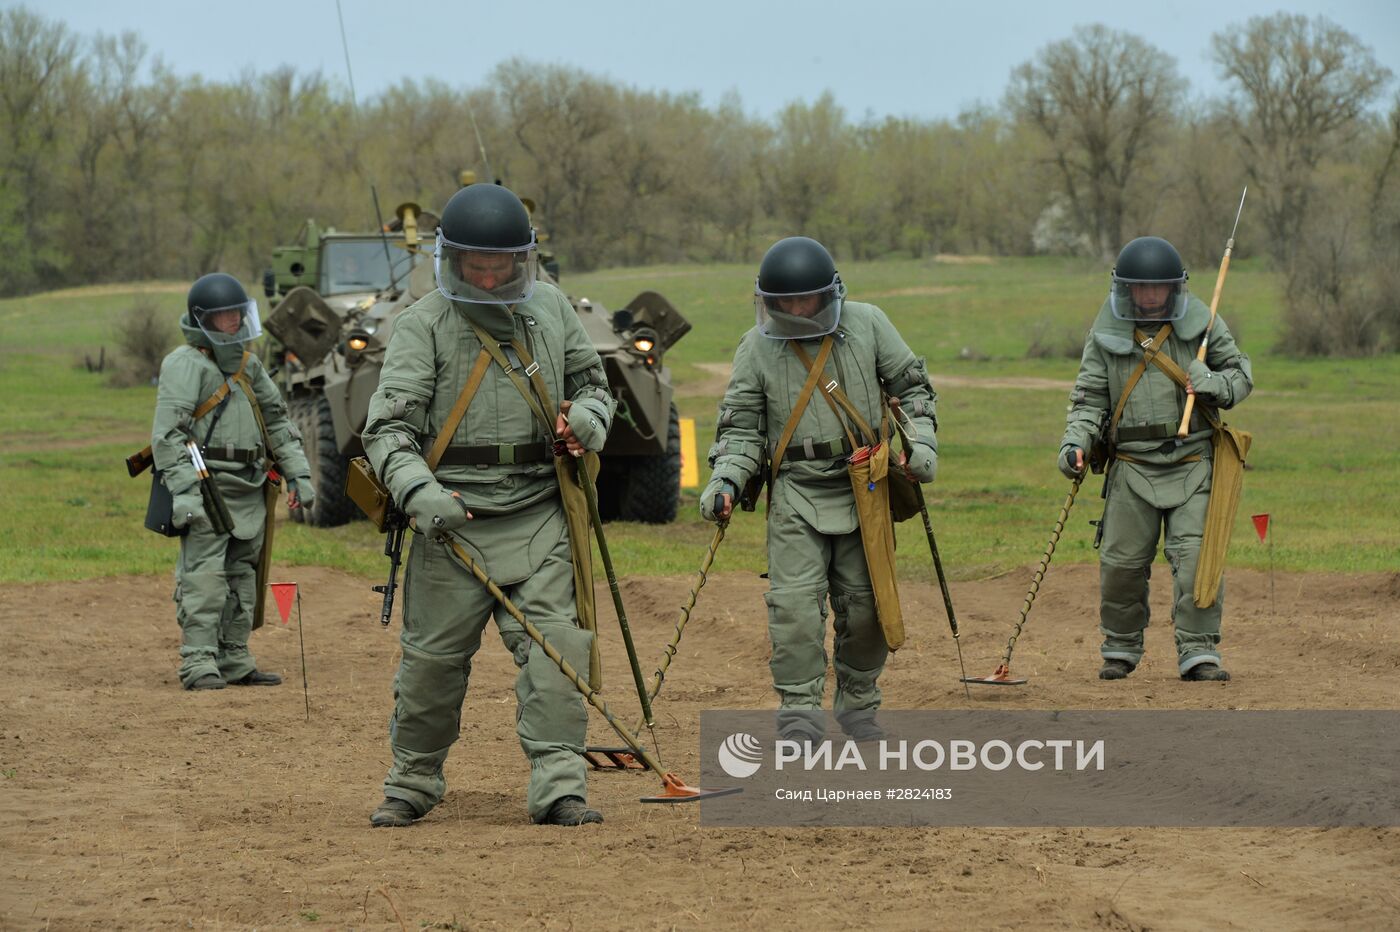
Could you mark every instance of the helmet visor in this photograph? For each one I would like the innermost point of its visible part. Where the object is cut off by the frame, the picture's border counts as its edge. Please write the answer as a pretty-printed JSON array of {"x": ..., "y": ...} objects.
[
  {"x": 799, "y": 316},
  {"x": 485, "y": 276},
  {"x": 1148, "y": 301},
  {"x": 226, "y": 326}
]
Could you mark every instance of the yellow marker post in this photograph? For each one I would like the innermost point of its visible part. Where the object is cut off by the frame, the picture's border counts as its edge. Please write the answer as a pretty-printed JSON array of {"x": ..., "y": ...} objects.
[{"x": 690, "y": 466}]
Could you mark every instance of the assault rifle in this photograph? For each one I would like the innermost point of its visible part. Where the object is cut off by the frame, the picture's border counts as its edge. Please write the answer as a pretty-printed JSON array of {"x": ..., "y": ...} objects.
[
  {"x": 395, "y": 524},
  {"x": 367, "y": 491}
]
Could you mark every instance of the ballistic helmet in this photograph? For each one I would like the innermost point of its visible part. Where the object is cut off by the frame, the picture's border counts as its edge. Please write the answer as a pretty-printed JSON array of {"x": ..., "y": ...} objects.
[
  {"x": 1149, "y": 261},
  {"x": 485, "y": 247},
  {"x": 798, "y": 293},
  {"x": 222, "y": 310}
]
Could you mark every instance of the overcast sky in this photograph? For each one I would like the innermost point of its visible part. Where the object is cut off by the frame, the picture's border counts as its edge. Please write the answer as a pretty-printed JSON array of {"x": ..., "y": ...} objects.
[{"x": 898, "y": 57}]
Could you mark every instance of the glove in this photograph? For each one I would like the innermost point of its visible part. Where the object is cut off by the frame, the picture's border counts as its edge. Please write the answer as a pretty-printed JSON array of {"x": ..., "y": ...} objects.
[
  {"x": 304, "y": 491},
  {"x": 586, "y": 427},
  {"x": 1067, "y": 460},
  {"x": 437, "y": 511},
  {"x": 1206, "y": 384},
  {"x": 187, "y": 510},
  {"x": 922, "y": 461},
  {"x": 707, "y": 498}
]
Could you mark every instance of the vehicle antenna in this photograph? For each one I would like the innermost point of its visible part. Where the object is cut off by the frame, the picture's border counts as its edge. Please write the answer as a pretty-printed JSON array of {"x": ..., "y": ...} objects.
[
  {"x": 373, "y": 191},
  {"x": 481, "y": 147}
]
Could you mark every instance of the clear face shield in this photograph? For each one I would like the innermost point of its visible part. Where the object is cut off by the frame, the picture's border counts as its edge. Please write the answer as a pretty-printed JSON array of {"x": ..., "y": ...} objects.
[
  {"x": 228, "y": 326},
  {"x": 485, "y": 276},
  {"x": 799, "y": 316},
  {"x": 1148, "y": 301}
]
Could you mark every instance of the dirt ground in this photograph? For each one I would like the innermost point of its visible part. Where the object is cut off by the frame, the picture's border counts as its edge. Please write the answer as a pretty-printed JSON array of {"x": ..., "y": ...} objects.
[{"x": 128, "y": 803}]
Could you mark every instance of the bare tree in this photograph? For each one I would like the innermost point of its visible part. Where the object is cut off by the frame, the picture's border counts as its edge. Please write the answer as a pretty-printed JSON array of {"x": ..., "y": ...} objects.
[
  {"x": 805, "y": 163},
  {"x": 1101, "y": 99},
  {"x": 558, "y": 116},
  {"x": 1300, "y": 87},
  {"x": 37, "y": 59}
]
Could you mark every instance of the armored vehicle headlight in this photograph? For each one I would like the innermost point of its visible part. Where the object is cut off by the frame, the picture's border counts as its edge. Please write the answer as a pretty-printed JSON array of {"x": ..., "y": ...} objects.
[
  {"x": 644, "y": 340},
  {"x": 358, "y": 343}
]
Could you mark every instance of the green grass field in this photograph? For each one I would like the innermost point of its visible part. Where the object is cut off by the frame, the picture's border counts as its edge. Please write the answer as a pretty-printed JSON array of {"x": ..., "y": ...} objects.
[{"x": 1326, "y": 459}]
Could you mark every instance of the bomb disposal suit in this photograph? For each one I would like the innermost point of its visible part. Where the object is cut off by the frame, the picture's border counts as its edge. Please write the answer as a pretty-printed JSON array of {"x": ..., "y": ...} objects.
[
  {"x": 239, "y": 438},
  {"x": 494, "y": 492},
  {"x": 1156, "y": 485},
  {"x": 814, "y": 542}
]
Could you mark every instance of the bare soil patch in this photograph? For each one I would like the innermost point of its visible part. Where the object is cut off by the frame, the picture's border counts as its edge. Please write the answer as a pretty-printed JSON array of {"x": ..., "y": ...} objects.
[{"x": 129, "y": 803}]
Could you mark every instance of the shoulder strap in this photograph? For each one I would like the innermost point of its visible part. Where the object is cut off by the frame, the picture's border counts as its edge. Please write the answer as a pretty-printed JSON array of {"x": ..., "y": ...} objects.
[
  {"x": 241, "y": 378},
  {"x": 220, "y": 393},
  {"x": 834, "y": 396},
  {"x": 1151, "y": 349},
  {"x": 536, "y": 380},
  {"x": 141, "y": 460},
  {"x": 491, "y": 346},
  {"x": 459, "y": 409},
  {"x": 814, "y": 372},
  {"x": 1179, "y": 376}
]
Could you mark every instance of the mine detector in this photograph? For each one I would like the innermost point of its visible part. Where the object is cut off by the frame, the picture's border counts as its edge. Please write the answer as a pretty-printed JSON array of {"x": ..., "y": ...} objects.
[
  {"x": 334, "y": 339},
  {"x": 337, "y": 296}
]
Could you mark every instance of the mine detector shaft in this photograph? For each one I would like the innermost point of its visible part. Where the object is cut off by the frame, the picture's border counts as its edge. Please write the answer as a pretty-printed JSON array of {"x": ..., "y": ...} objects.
[{"x": 334, "y": 337}]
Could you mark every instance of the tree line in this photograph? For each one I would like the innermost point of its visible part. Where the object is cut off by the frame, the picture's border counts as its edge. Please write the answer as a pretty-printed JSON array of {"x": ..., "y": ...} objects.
[{"x": 113, "y": 168}]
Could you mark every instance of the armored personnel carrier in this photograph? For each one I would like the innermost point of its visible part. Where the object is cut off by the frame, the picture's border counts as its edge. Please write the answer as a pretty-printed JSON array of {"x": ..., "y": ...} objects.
[{"x": 337, "y": 296}]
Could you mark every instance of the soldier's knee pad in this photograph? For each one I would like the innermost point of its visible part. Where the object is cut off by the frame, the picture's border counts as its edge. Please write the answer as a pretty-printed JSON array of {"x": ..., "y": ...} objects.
[
  {"x": 428, "y": 707},
  {"x": 860, "y": 642},
  {"x": 1119, "y": 584}
]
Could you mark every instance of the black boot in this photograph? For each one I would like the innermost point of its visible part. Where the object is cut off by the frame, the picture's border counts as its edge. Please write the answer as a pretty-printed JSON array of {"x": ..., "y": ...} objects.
[
  {"x": 861, "y": 726},
  {"x": 258, "y": 678},
  {"x": 1115, "y": 669},
  {"x": 208, "y": 681},
  {"x": 570, "y": 810},
  {"x": 1206, "y": 673},
  {"x": 393, "y": 813}
]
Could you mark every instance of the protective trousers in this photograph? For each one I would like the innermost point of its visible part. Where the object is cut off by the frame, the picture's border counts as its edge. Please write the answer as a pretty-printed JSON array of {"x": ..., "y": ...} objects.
[
  {"x": 445, "y": 611},
  {"x": 215, "y": 594},
  {"x": 1132, "y": 526},
  {"x": 803, "y": 565}
]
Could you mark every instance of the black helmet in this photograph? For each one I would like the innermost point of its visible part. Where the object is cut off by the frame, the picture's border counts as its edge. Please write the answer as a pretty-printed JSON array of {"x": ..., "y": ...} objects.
[
  {"x": 215, "y": 291},
  {"x": 487, "y": 216},
  {"x": 797, "y": 294},
  {"x": 486, "y": 247},
  {"x": 796, "y": 265},
  {"x": 213, "y": 294},
  {"x": 1146, "y": 261}
]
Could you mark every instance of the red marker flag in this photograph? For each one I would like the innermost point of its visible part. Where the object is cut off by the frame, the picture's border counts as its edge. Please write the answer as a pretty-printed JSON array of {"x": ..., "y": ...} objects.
[
  {"x": 285, "y": 593},
  {"x": 1261, "y": 526}
]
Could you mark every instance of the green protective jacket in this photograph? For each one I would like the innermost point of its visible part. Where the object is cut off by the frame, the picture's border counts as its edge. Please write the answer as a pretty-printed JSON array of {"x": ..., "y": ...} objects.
[
  {"x": 869, "y": 360},
  {"x": 187, "y": 377},
  {"x": 429, "y": 358},
  {"x": 1111, "y": 354}
]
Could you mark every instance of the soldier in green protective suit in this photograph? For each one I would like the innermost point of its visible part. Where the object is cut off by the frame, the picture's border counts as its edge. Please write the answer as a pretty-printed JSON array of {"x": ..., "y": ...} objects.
[
  {"x": 814, "y": 541},
  {"x": 1156, "y": 485},
  {"x": 217, "y": 394},
  {"x": 496, "y": 494}
]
